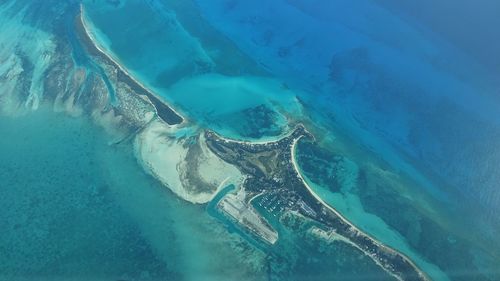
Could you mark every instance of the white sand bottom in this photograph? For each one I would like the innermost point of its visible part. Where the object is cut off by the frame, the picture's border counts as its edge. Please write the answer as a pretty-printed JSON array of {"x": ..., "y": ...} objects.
[{"x": 163, "y": 155}]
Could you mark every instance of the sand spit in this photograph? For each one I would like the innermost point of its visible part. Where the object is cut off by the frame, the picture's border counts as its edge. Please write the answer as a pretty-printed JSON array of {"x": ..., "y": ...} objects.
[
  {"x": 164, "y": 111},
  {"x": 185, "y": 165},
  {"x": 421, "y": 274}
]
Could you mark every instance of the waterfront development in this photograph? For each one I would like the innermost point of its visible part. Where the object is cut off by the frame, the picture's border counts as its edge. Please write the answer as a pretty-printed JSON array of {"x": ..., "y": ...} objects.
[
  {"x": 270, "y": 168},
  {"x": 162, "y": 109},
  {"x": 173, "y": 153},
  {"x": 267, "y": 167}
]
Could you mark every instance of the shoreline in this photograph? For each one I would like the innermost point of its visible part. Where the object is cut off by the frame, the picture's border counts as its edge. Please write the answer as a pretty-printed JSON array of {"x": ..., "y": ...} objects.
[
  {"x": 166, "y": 112},
  {"x": 332, "y": 236},
  {"x": 375, "y": 241},
  {"x": 264, "y": 142},
  {"x": 140, "y": 88},
  {"x": 380, "y": 252}
]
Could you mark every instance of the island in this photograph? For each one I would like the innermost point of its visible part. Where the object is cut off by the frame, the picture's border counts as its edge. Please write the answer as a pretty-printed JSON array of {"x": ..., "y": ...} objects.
[
  {"x": 271, "y": 171},
  {"x": 163, "y": 110},
  {"x": 196, "y": 163}
]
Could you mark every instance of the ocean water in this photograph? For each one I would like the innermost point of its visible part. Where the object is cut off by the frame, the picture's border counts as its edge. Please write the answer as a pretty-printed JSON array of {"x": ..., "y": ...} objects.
[
  {"x": 399, "y": 87},
  {"x": 177, "y": 73},
  {"x": 60, "y": 217},
  {"x": 406, "y": 125},
  {"x": 74, "y": 208},
  {"x": 411, "y": 99},
  {"x": 72, "y": 203}
]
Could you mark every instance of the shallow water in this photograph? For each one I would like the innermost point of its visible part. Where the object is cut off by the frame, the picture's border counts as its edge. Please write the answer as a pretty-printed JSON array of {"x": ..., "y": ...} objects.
[
  {"x": 60, "y": 217},
  {"x": 64, "y": 183},
  {"x": 238, "y": 73},
  {"x": 71, "y": 204},
  {"x": 444, "y": 247}
]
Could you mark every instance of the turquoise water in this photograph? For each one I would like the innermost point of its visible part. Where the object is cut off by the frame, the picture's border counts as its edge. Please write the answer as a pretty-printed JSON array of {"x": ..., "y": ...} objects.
[
  {"x": 72, "y": 203},
  {"x": 389, "y": 155},
  {"x": 170, "y": 64},
  {"x": 60, "y": 216},
  {"x": 386, "y": 79},
  {"x": 75, "y": 208},
  {"x": 377, "y": 205}
]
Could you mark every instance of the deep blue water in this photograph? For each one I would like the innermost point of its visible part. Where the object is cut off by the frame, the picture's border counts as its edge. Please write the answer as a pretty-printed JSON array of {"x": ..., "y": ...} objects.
[{"x": 404, "y": 107}]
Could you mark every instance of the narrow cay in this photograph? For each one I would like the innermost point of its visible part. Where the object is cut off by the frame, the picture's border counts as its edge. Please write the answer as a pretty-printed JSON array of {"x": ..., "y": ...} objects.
[{"x": 164, "y": 111}]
